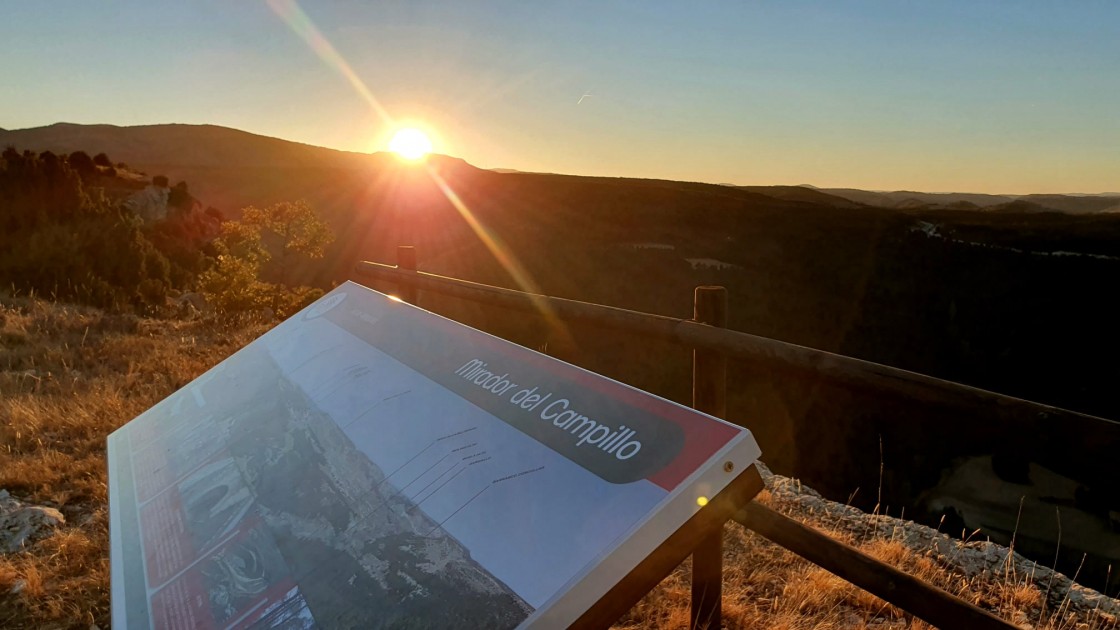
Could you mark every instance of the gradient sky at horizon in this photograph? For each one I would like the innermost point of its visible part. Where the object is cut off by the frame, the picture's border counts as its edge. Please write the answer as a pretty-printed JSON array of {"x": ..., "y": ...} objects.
[{"x": 940, "y": 96}]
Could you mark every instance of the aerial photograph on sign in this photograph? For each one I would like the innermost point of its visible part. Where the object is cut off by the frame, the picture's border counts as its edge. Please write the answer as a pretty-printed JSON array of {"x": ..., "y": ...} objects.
[{"x": 369, "y": 464}]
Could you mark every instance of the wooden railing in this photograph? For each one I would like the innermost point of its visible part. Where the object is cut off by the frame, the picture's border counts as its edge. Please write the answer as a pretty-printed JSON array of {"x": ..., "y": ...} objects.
[{"x": 713, "y": 345}]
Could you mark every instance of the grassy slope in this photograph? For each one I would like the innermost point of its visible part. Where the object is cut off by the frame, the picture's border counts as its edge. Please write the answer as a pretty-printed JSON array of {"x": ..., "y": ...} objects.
[{"x": 72, "y": 375}]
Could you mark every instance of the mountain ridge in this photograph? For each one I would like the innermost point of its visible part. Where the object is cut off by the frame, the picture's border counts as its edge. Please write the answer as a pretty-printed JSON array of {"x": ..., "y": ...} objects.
[{"x": 183, "y": 149}]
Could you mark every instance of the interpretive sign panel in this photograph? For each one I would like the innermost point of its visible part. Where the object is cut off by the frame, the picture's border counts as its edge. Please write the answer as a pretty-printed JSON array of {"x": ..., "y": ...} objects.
[{"x": 369, "y": 464}]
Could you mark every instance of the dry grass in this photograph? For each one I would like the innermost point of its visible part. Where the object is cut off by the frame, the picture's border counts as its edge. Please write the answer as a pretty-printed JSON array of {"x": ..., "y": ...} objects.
[{"x": 69, "y": 376}]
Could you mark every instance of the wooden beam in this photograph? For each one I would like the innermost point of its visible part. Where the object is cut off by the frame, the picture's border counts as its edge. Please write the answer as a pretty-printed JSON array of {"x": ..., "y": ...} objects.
[
  {"x": 659, "y": 564},
  {"x": 925, "y": 601}
]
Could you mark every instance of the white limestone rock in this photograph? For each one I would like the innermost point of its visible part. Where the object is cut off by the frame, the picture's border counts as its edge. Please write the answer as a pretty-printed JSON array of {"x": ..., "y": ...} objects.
[
  {"x": 21, "y": 522},
  {"x": 970, "y": 558}
]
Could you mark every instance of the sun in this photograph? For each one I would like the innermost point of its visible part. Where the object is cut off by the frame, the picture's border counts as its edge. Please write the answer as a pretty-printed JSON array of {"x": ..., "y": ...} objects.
[{"x": 410, "y": 143}]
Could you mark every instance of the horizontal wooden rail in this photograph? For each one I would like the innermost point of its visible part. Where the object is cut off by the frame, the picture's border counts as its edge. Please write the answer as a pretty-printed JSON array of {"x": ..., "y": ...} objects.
[
  {"x": 1046, "y": 423},
  {"x": 925, "y": 601}
]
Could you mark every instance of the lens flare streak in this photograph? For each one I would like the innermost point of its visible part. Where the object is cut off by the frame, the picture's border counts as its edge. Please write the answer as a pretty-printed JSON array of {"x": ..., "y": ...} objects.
[
  {"x": 302, "y": 26},
  {"x": 500, "y": 251}
]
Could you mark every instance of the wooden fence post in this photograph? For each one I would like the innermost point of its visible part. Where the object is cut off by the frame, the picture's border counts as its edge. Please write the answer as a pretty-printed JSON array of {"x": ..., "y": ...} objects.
[
  {"x": 709, "y": 394},
  {"x": 406, "y": 259}
]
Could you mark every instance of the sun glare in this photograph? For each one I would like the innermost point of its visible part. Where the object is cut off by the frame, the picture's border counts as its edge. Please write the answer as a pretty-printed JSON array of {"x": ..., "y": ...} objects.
[{"x": 410, "y": 143}]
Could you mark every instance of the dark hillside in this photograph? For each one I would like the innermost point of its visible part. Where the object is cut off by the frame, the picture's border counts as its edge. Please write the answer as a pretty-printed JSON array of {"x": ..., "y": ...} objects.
[
  {"x": 904, "y": 199},
  {"x": 1075, "y": 204},
  {"x": 802, "y": 193},
  {"x": 1019, "y": 206}
]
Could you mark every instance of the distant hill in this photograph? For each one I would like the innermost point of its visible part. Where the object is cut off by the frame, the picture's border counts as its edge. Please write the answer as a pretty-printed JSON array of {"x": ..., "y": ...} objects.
[
  {"x": 1075, "y": 204},
  {"x": 911, "y": 200},
  {"x": 176, "y": 145},
  {"x": 1020, "y": 206},
  {"x": 801, "y": 193}
]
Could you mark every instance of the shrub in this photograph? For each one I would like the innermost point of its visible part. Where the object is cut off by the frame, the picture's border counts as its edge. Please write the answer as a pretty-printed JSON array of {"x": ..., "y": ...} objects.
[
  {"x": 81, "y": 163},
  {"x": 234, "y": 284}
]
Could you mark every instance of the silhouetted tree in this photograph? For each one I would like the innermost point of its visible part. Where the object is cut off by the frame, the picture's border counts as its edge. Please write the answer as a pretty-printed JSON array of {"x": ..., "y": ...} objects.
[
  {"x": 102, "y": 160},
  {"x": 180, "y": 199},
  {"x": 300, "y": 228},
  {"x": 50, "y": 162},
  {"x": 81, "y": 163},
  {"x": 233, "y": 284}
]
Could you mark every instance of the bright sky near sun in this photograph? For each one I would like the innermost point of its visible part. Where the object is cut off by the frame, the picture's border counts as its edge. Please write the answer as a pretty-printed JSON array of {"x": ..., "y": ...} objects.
[{"x": 1012, "y": 97}]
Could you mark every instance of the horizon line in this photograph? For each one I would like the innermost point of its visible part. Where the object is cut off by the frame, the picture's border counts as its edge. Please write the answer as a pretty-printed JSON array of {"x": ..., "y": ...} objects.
[{"x": 514, "y": 171}]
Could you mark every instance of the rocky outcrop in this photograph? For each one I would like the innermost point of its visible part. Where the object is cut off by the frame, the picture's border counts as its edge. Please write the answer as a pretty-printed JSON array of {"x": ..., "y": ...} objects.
[
  {"x": 191, "y": 303},
  {"x": 971, "y": 558},
  {"x": 149, "y": 204},
  {"x": 20, "y": 522}
]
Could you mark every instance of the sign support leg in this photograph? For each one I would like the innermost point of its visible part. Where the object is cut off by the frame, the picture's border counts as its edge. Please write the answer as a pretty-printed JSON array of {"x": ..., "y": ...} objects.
[{"x": 709, "y": 394}]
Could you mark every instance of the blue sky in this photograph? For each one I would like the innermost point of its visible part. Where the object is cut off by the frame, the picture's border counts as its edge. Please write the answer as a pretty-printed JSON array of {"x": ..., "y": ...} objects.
[{"x": 980, "y": 96}]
